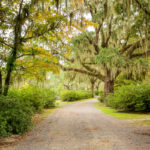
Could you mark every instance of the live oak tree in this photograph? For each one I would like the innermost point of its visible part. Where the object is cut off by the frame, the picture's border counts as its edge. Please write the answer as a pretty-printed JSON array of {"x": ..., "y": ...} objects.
[{"x": 120, "y": 37}]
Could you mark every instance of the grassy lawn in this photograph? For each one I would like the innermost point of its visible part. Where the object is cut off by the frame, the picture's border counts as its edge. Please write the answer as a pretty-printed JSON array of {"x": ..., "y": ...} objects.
[{"x": 121, "y": 115}]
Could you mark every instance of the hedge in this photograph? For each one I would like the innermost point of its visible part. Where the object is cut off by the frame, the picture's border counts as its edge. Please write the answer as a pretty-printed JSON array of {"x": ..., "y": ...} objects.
[
  {"x": 37, "y": 98},
  {"x": 17, "y": 109},
  {"x": 15, "y": 116},
  {"x": 135, "y": 98},
  {"x": 74, "y": 95}
]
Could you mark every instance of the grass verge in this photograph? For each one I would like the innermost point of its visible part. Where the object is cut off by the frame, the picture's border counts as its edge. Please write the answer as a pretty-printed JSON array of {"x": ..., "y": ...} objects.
[
  {"x": 38, "y": 117},
  {"x": 120, "y": 115}
]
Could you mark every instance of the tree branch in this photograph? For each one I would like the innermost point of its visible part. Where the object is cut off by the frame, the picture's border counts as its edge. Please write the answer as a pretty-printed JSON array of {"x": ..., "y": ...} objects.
[
  {"x": 80, "y": 71},
  {"x": 93, "y": 70},
  {"x": 132, "y": 47},
  {"x": 141, "y": 54},
  {"x": 5, "y": 43},
  {"x": 109, "y": 34},
  {"x": 142, "y": 7}
]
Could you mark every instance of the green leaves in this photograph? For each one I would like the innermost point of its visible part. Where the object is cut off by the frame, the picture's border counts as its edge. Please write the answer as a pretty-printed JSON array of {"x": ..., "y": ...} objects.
[
  {"x": 133, "y": 97},
  {"x": 98, "y": 16},
  {"x": 110, "y": 57},
  {"x": 119, "y": 8}
]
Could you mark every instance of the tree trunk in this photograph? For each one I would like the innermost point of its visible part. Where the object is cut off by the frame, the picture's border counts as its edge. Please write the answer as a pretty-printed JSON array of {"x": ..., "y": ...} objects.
[
  {"x": 97, "y": 86},
  {"x": 109, "y": 84},
  {"x": 92, "y": 89},
  {"x": 7, "y": 82},
  {"x": 108, "y": 87},
  {"x": 13, "y": 55},
  {"x": 11, "y": 61},
  {"x": 1, "y": 82}
]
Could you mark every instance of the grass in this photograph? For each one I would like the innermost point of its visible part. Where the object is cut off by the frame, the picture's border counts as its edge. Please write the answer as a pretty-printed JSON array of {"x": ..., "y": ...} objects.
[
  {"x": 120, "y": 115},
  {"x": 47, "y": 112},
  {"x": 142, "y": 123},
  {"x": 38, "y": 117},
  {"x": 60, "y": 103}
]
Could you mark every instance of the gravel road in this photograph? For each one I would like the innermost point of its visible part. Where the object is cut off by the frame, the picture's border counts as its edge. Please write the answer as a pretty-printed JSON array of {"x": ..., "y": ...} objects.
[{"x": 80, "y": 126}]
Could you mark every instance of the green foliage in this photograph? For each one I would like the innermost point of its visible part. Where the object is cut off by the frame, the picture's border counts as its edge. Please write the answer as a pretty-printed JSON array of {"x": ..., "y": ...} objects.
[
  {"x": 74, "y": 95},
  {"x": 18, "y": 107},
  {"x": 35, "y": 97},
  {"x": 101, "y": 96},
  {"x": 15, "y": 116},
  {"x": 83, "y": 94},
  {"x": 120, "y": 115},
  {"x": 119, "y": 9},
  {"x": 31, "y": 96},
  {"x": 121, "y": 81},
  {"x": 131, "y": 97},
  {"x": 109, "y": 56},
  {"x": 97, "y": 93},
  {"x": 98, "y": 15},
  {"x": 80, "y": 43},
  {"x": 49, "y": 97}
]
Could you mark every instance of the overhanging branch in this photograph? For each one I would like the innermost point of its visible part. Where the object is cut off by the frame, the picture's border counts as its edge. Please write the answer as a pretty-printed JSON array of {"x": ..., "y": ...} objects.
[{"x": 80, "y": 71}]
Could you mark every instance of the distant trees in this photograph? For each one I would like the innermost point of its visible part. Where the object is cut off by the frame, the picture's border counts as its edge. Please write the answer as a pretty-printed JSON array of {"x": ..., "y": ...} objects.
[{"x": 79, "y": 81}]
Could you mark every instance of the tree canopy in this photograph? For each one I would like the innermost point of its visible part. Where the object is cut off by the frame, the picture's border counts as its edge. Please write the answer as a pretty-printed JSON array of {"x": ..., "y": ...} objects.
[{"x": 102, "y": 39}]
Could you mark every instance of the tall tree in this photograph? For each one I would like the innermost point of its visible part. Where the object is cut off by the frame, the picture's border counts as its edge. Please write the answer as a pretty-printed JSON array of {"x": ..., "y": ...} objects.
[
  {"x": 26, "y": 21},
  {"x": 120, "y": 36}
]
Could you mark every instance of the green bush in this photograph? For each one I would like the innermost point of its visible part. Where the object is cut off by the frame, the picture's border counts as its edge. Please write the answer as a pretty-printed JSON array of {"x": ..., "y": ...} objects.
[
  {"x": 131, "y": 98},
  {"x": 84, "y": 94},
  {"x": 97, "y": 93},
  {"x": 31, "y": 96},
  {"x": 101, "y": 96},
  {"x": 17, "y": 108},
  {"x": 74, "y": 95},
  {"x": 109, "y": 100},
  {"x": 15, "y": 116},
  {"x": 68, "y": 96},
  {"x": 37, "y": 98},
  {"x": 49, "y": 97}
]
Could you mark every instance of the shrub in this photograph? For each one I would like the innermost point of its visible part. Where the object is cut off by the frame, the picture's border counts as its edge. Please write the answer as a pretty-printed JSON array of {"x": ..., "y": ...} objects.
[
  {"x": 31, "y": 96},
  {"x": 83, "y": 94},
  {"x": 15, "y": 116},
  {"x": 17, "y": 108},
  {"x": 109, "y": 100},
  {"x": 68, "y": 96},
  {"x": 35, "y": 97},
  {"x": 97, "y": 93},
  {"x": 74, "y": 95},
  {"x": 131, "y": 98},
  {"x": 49, "y": 97},
  {"x": 101, "y": 96}
]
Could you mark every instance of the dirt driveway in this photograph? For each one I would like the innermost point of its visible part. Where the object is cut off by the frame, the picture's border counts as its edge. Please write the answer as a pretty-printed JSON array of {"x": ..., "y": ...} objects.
[{"x": 80, "y": 126}]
